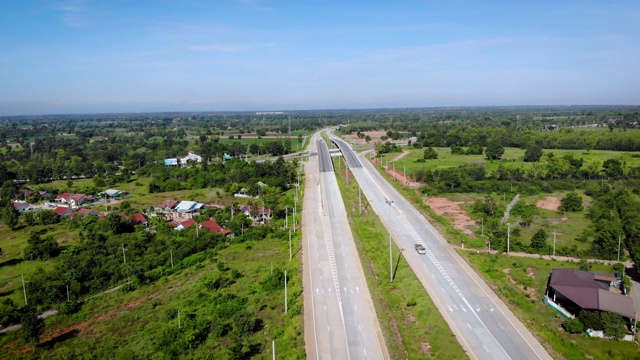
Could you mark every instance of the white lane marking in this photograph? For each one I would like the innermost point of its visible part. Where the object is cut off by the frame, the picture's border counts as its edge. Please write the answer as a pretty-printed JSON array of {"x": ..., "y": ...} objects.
[
  {"x": 485, "y": 307},
  {"x": 469, "y": 326},
  {"x": 328, "y": 328},
  {"x": 477, "y": 308},
  {"x": 486, "y": 349},
  {"x": 317, "y": 291},
  {"x": 463, "y": 309},
  {"x": 357, "y": 290},
  {"x": 450, "y": 309},
  {"x": 500, "y": 326},
  {"x": 491, "y": 308},
  {"x": 359, "y": 328}
]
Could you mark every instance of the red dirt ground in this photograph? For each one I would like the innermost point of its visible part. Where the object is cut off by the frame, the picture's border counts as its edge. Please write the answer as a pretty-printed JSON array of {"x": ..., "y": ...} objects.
[{"x": 451, "y": 209}]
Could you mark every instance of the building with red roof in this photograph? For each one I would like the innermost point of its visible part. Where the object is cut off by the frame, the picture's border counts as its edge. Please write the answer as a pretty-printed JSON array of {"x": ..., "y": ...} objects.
[
  {"x": 214, "y": 227},
  {"x": 62, "y": 211}
]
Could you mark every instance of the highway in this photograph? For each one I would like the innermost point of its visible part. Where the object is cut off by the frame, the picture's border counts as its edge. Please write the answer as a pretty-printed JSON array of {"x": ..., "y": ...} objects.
[
  {"x": 483, "y": 324},
  {"x": 340, "y": 320}
]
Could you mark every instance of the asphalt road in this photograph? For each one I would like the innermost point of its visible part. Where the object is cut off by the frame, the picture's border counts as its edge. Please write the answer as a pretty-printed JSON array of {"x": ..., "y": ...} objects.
[
  {"x": 484, "y": 325},
  {"x": 340, "y": 321}
]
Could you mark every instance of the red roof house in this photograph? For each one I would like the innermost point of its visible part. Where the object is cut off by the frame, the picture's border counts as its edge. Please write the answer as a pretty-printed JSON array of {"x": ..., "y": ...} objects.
[
  {"x": 63, "y": 198},
  {"x": 185, "y": 224},
  {"x": 139, "y": 218},
  {"x": 214, "y": 227},
  {"x": 62, "y": 211}
]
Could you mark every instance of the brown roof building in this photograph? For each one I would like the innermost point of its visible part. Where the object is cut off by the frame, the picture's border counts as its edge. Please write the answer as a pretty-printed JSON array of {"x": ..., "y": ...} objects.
[{"x": 578, "y": 289}]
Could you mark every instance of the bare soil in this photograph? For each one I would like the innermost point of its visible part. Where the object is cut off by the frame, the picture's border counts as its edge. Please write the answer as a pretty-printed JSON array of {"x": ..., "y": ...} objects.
[
  {"x": 375, "y": 136},
  {"x": 451, "y": 209},
  {"x": 549, "y": 203}
]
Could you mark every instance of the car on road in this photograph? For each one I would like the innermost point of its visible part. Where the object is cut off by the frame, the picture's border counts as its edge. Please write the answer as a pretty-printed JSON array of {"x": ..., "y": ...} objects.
[{"x": 420, "y": 249}]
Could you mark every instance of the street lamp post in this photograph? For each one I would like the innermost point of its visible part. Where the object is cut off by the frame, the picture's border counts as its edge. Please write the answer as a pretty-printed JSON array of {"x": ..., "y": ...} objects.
[{"x": 508, "y": 237}]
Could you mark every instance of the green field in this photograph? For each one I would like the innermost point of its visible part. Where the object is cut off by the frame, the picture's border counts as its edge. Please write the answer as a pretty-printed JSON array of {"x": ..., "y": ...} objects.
[{"x": 511, "y": 157}]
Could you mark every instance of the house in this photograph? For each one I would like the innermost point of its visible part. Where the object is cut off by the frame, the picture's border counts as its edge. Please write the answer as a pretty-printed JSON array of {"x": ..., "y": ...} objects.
[
  {"x": 111, "y": 193},
  {"x": 62, "y": 211},
  {"x": 190, "y": 157},
  {"x": 572, "y": 290},
  {"x": 255, "y": 213},
  {"x": 213, "y": 227},
  {"x": 83, "y": 212},
  {"x": 185, "y": 224},
  {"x": 171, "y": 162},
  {"x": 168, "y": 205},
  {"x": 79, "y": 199},
  {"x": 188, "y": 207},
  {"x": 139, "y": 219},
  {"x": 63, "y": 198},
  {"x": 21, "y": 206}
]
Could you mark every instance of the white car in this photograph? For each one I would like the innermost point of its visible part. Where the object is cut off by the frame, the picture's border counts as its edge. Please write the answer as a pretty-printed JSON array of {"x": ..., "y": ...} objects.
[{"x": 420, "y": 249}]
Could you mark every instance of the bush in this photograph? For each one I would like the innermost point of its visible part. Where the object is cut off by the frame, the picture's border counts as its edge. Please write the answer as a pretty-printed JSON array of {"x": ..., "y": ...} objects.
[
  {"x": 573, "y": 326},
  {"x": 572, "y": 202},
  {"x": 411, "y": 302},
  {"x": 430, "y": 153}
]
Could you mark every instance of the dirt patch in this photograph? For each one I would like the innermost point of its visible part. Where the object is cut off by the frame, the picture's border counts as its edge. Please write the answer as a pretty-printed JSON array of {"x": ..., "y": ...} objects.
[
  {"x": 549, "y": 203},
  {"x": 451, "y": 209},
  {"x": 531, "y": 273},
  {"x": 404, "y": 153},
  {"x": 375, "y": 136},
  {"x": 411, "y": 318},
  {"x": 399, "y": 175},
  {"x": 425, "y": 348}
]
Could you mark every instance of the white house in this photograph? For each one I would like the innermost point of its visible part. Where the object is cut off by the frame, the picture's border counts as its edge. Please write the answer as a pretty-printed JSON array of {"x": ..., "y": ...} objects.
[{"x": 191, "y": 157}]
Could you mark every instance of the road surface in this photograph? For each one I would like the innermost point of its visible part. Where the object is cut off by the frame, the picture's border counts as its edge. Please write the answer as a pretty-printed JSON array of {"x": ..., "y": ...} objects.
[
  {"x": 485, "y": 327},
  {"x": 340, "y": 320}
]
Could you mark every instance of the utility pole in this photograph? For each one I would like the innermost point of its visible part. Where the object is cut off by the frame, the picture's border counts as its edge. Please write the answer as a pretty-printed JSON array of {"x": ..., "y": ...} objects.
[
  {"x": 360, "y": 199},
  {"x": 171, "y": 254},
  {"x": 404, "y": 176},
  {"x": 24, "y": 290},
  {"x": 285, "y": 292},
  {"x": 554, "y": 243},
  {"x": 124, "y": 257},
  {"x": 482, "y": 221},
  {"x": 273, "y": 349},
  {"x": 286, "y": 217},
  {"x": 68, "y": 299},
  {"x": 290, "y": 253},
  {"x": 390, "y": 260},
  {"x": 295, "y": 208},
  {"x": 178, "y": 319},
  {"x": 508, "y": 237},
  {"x": 619, "y": 241}
]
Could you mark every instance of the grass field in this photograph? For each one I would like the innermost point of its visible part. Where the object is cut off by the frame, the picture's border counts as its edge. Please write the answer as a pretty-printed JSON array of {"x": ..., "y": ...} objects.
[
  {"x": 127, "y": 325},
  {"x": 511, "y": 157},
  {"x": 412, "y": 326}
]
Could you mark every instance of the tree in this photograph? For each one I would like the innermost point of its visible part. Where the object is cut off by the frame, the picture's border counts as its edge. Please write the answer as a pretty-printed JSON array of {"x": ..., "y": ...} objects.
[
  {"x": 571, "y": 202},
  {"x": 40, "y": 248},
  {"x": 48, "y": 217},
  {"x": 533, "y": 153},
  {"x": 367, "y": 138},
  {"x": 539, "y": 240},
  {"x": 573, "y": 326},
  {"x": 430, "y": 153},
  {"x": 10, "y": 216},
  {"x": 612, "y": 168},
  {"x": 494, "y": 150},
  {"x": 32, "y": 327}
]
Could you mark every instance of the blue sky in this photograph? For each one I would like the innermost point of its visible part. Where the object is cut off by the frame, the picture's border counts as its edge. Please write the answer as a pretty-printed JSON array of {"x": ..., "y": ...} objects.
[{"x": 70, "y": 56}]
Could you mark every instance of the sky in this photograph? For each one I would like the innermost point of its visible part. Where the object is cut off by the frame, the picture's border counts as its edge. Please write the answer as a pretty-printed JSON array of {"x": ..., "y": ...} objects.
[{"x": 85, "y": 56}]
